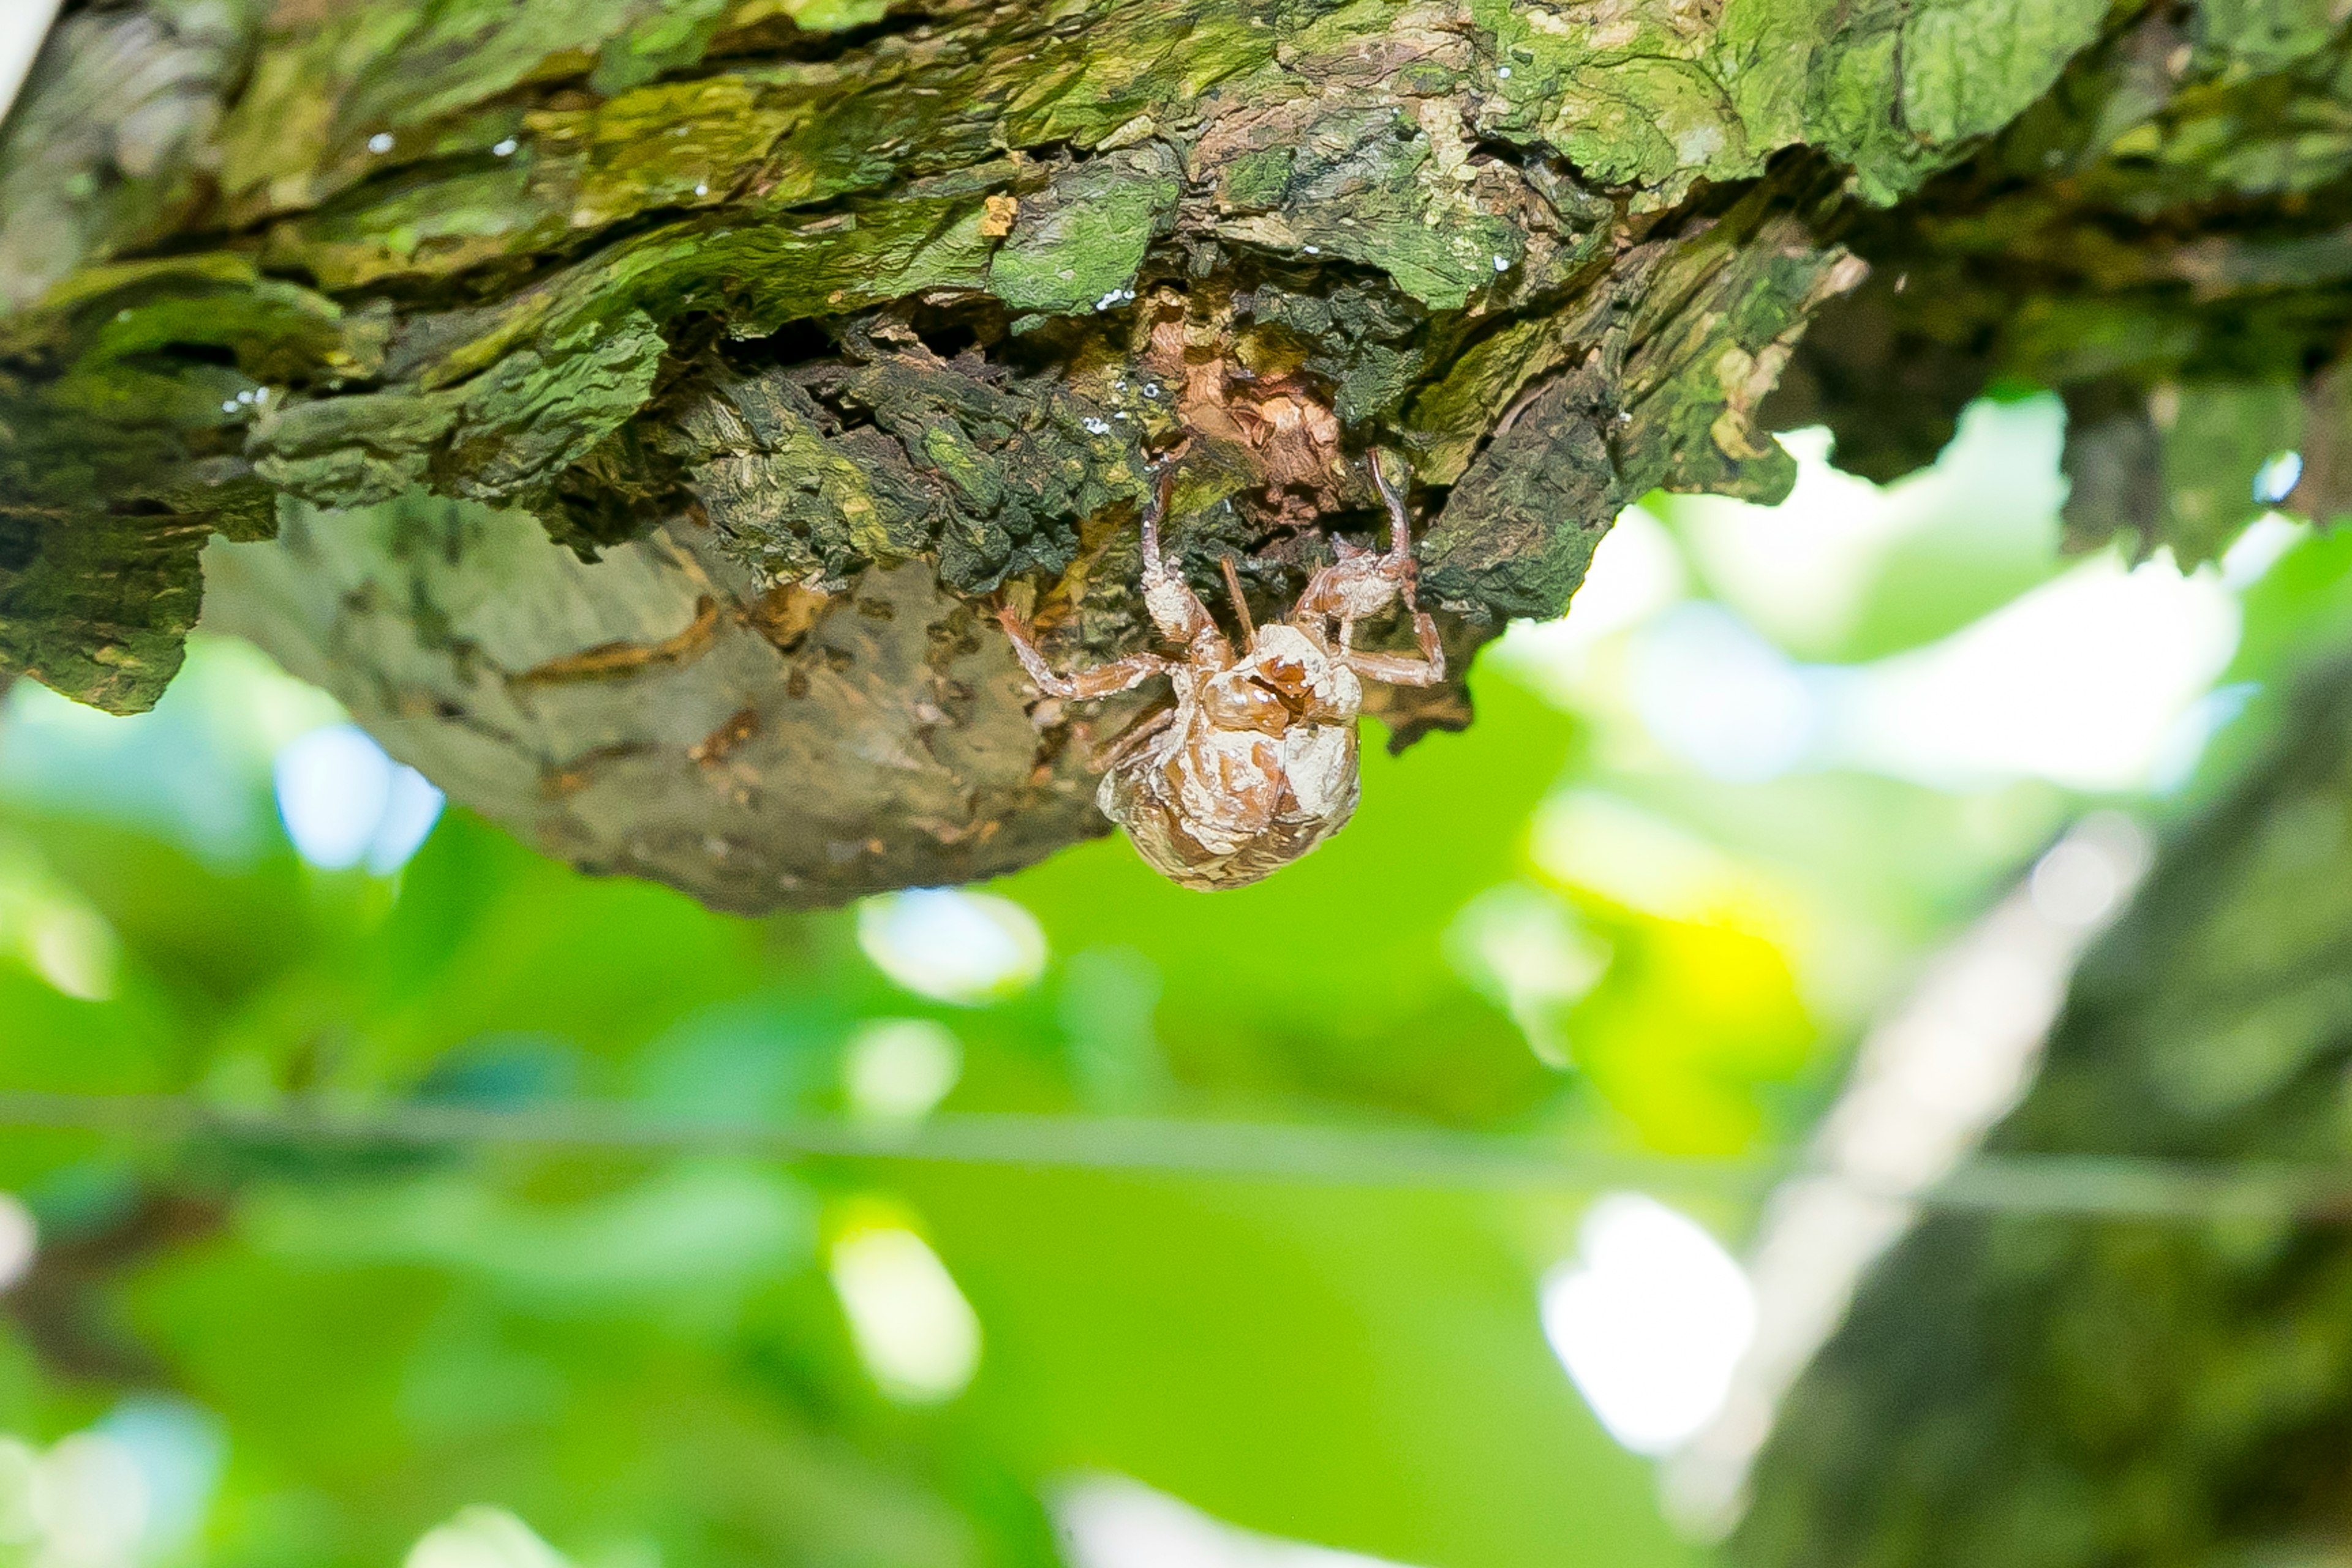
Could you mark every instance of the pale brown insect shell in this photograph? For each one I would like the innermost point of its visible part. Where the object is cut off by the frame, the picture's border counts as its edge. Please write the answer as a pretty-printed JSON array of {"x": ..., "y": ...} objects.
[{"x": 1256, "y": 765}]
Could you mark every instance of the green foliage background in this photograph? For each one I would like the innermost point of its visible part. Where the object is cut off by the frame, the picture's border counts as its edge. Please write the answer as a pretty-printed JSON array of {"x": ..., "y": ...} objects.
[{"x": 641, "y": 1355}]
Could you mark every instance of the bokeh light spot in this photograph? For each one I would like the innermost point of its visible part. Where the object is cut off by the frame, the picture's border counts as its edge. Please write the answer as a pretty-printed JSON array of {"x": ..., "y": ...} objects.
[
  {"x": 1650, "y": 1321},
  {"x": 74, "y": 949},
  {"x": 896, "y": 1069},
  {"x": 1720, "y": 697},
  {"x": 2276, "y": 478},
  {"x": 483, "y": 1538},
  {"x": 87, "y": 1502},
  {"x": 2253, "y": 552},
  {"x": 952, "y": 945},
  {"x": 1526, "y": 951},
  {"x": 343, "y": 801},
  {"x": 178, "y": 1448},
  {"x": 1110, "y": 1522},
  {"x": 20, "y": 1239},
  {"x": 917, "y": 1335},
  {"x": 2081, "y": 681}
]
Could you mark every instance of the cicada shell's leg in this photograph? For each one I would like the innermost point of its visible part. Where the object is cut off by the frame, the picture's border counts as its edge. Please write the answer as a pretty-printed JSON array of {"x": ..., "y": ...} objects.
[
  {"x": 1397, "y": 564},
  {"x": 1363, "y": 584},
  {"x": 1426, "y": 668},
  {"x": 1397, "y": 571},
  {"x": 1233, "y": 591},
  {"x": 1175, "y": 609},
  {"x": 1400, "y": 668},
  {"x": 1103, "y": 681},
  {"x": 1128, "y": 745}
]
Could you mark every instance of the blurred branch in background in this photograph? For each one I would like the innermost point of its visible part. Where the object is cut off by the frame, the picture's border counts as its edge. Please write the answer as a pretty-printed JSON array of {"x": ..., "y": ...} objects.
[
  {"x": 1926, "y": 1085},
  {"x": 2106, "y": 1391},
  {"x": 23, "y": 26}
]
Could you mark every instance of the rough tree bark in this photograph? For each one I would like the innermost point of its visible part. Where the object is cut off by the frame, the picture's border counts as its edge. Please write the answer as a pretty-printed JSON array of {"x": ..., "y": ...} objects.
[
  {"x": 632, "y": 408},
  {"x": 2052, "y": 1393}
]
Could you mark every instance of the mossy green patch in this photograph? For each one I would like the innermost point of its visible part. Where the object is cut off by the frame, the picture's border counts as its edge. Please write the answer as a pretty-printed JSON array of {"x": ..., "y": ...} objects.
[{"x": 1080, "y": 241}]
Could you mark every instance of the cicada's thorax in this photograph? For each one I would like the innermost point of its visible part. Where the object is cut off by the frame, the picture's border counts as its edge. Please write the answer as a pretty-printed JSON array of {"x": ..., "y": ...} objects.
[
  {"x": 1256, "y": 767},
  {"x": 1295, "y": 664}
]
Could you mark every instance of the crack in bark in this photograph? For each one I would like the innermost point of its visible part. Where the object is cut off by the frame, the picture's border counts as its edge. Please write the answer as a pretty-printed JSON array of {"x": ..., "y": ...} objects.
[{"x": 606, "y": 661}]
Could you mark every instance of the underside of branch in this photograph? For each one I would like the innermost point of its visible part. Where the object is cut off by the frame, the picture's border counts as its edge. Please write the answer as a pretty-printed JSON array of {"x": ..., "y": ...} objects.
[{"x": 635, "y": 410}]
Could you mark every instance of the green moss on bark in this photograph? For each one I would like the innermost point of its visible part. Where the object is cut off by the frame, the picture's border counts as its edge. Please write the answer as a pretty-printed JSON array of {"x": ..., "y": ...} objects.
[{"x": 848, "y": 287}]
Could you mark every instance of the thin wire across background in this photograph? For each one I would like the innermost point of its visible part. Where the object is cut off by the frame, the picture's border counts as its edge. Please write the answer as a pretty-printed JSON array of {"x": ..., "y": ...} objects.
[{"x": 2121, "y": 1186}]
